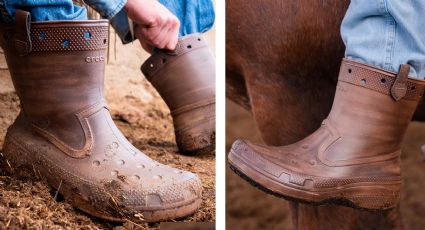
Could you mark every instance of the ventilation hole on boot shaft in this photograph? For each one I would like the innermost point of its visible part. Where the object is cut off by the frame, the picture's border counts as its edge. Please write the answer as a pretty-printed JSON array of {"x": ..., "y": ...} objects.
[
  {"x": 383, "y": 80},
  {"x": 350, "y": 70},
  {"x": 96, "y": 163},
  {"x": 87, "y": 35},
  {"x": 189, "y": 47},
  {"x": 66, "y": 43},
  {"x": 42, "y": 36},
  {"x": 104, "y": 41},
  {"x": 164, "y": 60},
  {"x": 199, "y": 39},
  {"x": 363, "y": 82},
  {"x": 413, "y": 87}
]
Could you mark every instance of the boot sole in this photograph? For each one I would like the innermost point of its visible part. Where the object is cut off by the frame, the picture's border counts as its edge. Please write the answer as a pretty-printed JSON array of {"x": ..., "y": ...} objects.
[
  {"x": 356, "y": 196},
  {"x": 201, "y": 151},
  {"x": 196, "y": 145},
  {"x": 15, "y": 163}
]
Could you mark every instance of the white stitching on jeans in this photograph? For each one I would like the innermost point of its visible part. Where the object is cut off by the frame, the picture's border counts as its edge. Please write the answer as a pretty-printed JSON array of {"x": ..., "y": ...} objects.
[
  {"x": 390, "y": 24},
  {"x": 390, "y": 42}
]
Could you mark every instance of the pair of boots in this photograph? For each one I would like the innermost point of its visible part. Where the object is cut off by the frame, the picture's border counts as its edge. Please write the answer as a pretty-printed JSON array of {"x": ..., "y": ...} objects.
[
  {"x": 353, "y": 159},
  {"x": 65, "y": 134}
]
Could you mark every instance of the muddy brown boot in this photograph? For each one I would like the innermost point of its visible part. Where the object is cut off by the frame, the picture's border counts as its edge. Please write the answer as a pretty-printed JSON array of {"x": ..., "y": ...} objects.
[
  {"x": 65, "y": 134},
  {"x": 185, "y": 79},
  {"x": 353, "y": 159}
]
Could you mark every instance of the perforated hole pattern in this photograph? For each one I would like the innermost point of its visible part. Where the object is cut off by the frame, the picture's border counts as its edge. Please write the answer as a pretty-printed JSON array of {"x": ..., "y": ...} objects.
[
  {"x": 53, "y": 38},
  {"x": 157, "y": 61},
  {"x": 374, "y": 80}
]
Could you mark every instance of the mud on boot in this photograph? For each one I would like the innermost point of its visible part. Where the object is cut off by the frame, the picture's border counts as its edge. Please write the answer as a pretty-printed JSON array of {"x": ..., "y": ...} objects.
[{"x": 66, "y": 135}]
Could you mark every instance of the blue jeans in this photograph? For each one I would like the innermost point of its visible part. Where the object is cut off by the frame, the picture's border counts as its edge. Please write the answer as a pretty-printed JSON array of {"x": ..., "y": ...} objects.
[
  {"x": 196, "y": 16},
  {"x": 386, "y": 34}
]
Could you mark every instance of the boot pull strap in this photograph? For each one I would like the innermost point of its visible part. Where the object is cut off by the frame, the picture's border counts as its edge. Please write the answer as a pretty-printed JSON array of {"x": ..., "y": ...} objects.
[
  {"x": 399, "y": 88},
  {"x": 23, "y": 32}
]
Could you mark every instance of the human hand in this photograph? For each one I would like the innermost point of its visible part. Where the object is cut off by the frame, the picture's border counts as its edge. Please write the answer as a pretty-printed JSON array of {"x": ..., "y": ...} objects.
[{"x": 155, "y": 26}]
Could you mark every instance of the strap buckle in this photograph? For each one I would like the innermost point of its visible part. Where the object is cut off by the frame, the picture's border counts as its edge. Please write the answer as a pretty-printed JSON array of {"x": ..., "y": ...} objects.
[{"x": 399, "y": 88}]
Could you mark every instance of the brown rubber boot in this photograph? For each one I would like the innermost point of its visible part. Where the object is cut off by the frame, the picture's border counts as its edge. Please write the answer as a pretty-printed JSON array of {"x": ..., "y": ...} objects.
[
  {"x": 185, "y": 78},
  {"x": 353, "y": 159},
  {"x": 65, "y": 133}
]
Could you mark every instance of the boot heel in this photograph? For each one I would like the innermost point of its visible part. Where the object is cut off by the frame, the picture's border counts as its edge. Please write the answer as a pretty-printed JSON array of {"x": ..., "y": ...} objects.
[
  {"x": 197, "y": 137},
  {"x": 384, "y": 199},
  {"x": 375, "y": 202},
  {"x": 15, "y": 159},
  {"x": 202, "y": 143}
]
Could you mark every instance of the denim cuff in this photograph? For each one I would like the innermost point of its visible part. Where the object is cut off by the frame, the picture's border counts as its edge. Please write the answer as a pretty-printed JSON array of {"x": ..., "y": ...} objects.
[
  {"x": 114, "y": 11},
  {"x": 121, "y": 25},
  {"x": 107, "y": 9},
  {"x": 4, "y": 15}
]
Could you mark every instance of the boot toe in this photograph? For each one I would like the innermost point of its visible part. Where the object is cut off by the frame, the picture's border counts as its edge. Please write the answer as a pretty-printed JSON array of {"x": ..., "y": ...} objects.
[
  {"x": 169, "y": 195},
  {"x": 248, "y": 154},
  {"x": 245, "y": 160}
]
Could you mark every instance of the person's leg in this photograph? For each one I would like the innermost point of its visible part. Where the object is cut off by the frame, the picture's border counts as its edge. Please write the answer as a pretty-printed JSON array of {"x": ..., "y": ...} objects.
[
  {"x": 195, "y": 16},
  {"x": 65, "y": 133},
  {"x": 386, "y": 34},
  {"x": 354, "y": 157}
]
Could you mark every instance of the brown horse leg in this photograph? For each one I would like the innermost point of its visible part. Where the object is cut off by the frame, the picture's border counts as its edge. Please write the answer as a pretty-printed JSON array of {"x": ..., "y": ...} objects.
[
  {"x": 420, "y": 112},
  {"x": 344, "y": 218},
  {"x": 235, "y": 85}
]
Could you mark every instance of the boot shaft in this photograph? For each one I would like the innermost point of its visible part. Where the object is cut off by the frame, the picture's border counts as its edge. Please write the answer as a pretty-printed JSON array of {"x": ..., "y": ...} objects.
[
  {"x": 365, "y": 113},
  {"x": 185, "y": 79},
  {"x": 57, "y": 67},
  {"x": 185, "y": 76}
]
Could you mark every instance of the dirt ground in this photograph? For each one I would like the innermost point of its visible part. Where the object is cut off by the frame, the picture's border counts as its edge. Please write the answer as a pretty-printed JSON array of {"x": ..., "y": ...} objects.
[
  {"x": 249, "y": 208},
  {"x": 144, "y": 119}
]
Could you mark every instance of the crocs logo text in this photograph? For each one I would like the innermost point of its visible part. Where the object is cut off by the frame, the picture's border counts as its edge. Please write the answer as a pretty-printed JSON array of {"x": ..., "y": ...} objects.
[{"x": 95, "y": 59}]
